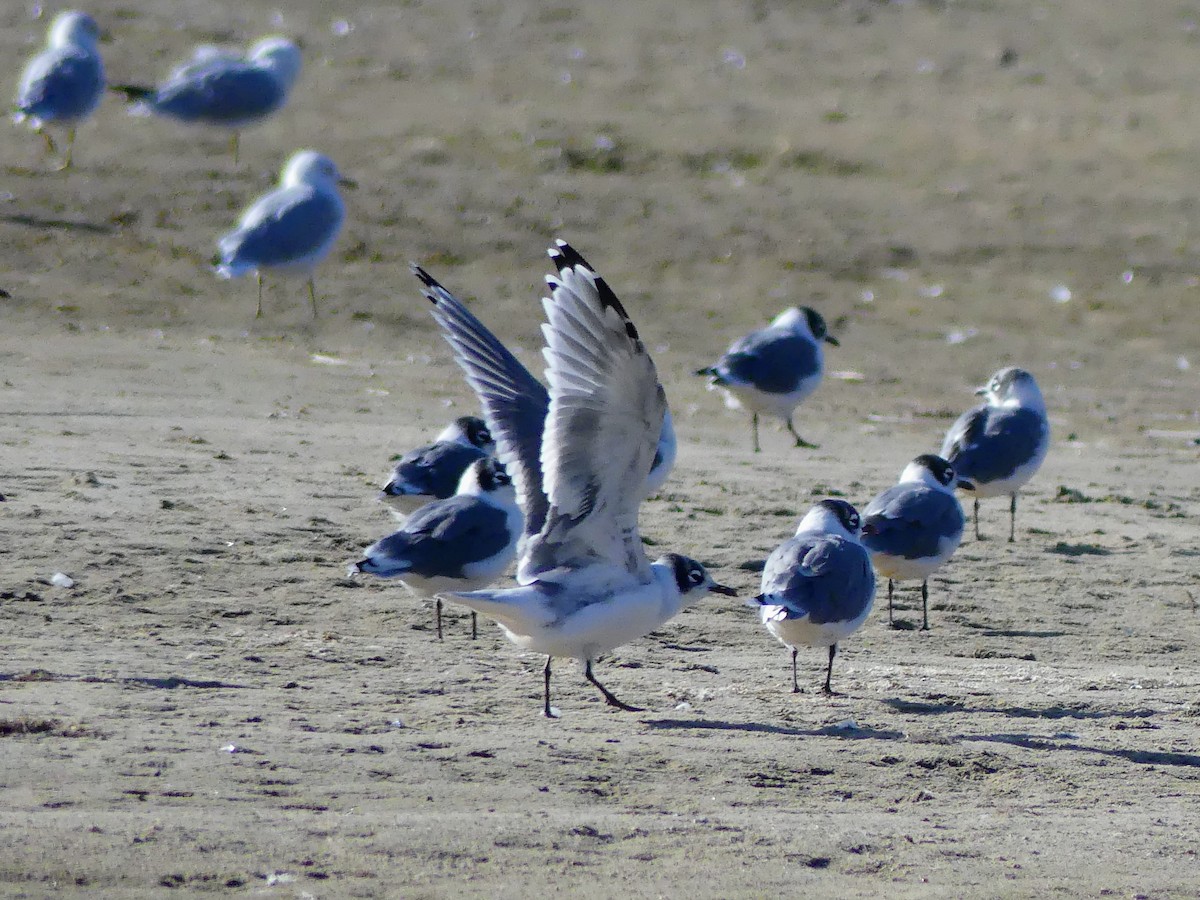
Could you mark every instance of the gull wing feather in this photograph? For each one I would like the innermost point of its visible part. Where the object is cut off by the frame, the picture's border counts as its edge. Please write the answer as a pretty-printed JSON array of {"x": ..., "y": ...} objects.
[
  {"x": 606, "y": 413},
  {"x": 514, "y": 402}
]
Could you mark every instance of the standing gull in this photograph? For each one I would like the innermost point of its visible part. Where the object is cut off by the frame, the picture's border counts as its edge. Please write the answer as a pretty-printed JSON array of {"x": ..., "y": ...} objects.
[
  {"x": 818, "y": 587},
  {"x": 914, "y": 527},
  {"x": 292, "y": 228},
  {"x": 62, "y": 85},
  {"x": 433, "y": 472},
  {"x": 999, "y": 445},
  {"x": 585, "y": 583},
  {"x": 775, "y": 368},
  {"x": 222, "y": 89},
  {"x": 464, "y": 542}
]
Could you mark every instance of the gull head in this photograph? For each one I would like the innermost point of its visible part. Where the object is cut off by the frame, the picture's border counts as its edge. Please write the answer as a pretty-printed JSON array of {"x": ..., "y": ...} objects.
[
  {"x": 280, "y": 55},
  {"x": 74, "y": 29},
  {"x": 933, "y": 471},
  {"x": 312, "y": 168},
  {"x": 487, "y": 476},
  {"x": 691, "y": 579},
  {"x": 805, "y": 320},
  {"x": 832, "y": 517},
  {"x": 469, "y": 431},
  {"x": 1012, "y": 387}
]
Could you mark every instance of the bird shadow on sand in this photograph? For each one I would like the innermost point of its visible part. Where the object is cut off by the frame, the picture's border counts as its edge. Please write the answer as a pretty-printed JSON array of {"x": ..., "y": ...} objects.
[
  {"x": 837, "y": 731},
  {"x": 944, "y": 707},
  {"x": 990, "y": 631},
  {"x": 49, "y": 224},
  {"x": 1037, "y": 742},
  {"x": 168, "y": 683}
]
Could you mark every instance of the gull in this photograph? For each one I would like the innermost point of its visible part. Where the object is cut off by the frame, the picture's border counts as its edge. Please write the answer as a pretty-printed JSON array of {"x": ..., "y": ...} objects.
[
  {"x": 773, "y": 369},
  {"x": 522, "y": 400},
  {"x": 913, "y": 528},
  {"x": 585, "y": 585},
  {"x": 464, "y": 542},
  {"x": 433, "y": 472},
  {"x": 222, "y": 89},
  {"x": 818, "y": 586},
  {"x": 999, "y": 445},
  {"x": 290, "y": 229},
  {"x": 62, "y": 85}
]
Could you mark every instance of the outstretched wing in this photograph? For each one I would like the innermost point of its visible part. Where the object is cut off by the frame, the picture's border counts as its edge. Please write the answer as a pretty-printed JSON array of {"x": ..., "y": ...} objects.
[
  {"x": 514, "y": 402},
  {"x": 606, "y": 414}
]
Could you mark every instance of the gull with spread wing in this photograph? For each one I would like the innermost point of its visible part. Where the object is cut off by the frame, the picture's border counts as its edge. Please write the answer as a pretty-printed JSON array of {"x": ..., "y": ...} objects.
[{"x": 585, "y": 585}]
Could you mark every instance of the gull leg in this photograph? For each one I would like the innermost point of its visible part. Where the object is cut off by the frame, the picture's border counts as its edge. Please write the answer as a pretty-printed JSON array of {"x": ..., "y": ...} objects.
[
  {"x": 1012, "y": 519},
  {"x": 827, "y": 690},
  {"x": 608, "y": 697},
  {"x": 754, "y": 429},
  {"x": 234, "y": 147},
  {"x": 66, "y": 163},
  {"x": 438, "y": 617},
  {"x": 795, "y": 683},
  {"x": 474, "y": 626},
  {"x": 312, "y": 296},
  {"x": 258, "y": 312},
  {"x": 546, "y": 704},
  {"x": 51, "y": 147},
  {"x": 800, "y": 442},
  {"x": 890, "y": 622},
  {"x": 977, "y": 537},
  {"x": 925, "y": 605}
]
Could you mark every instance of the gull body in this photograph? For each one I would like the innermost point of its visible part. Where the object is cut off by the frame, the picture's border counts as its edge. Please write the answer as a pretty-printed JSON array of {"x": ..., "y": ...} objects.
[
  {"x": 223, "y": 89},
  {"x": 818, "y": 586},
  {"x": 585, "y": 585},
  {"x": 432, "y": 472},
  {"x": 463, "y": 542},
  {"x": 61, "y": 86},
  {"x": 291, "y": 229},
  {"x": 999, "y": 445},
  {"x": 772, "y": 370},
  {"x": 913, "y": 528}
]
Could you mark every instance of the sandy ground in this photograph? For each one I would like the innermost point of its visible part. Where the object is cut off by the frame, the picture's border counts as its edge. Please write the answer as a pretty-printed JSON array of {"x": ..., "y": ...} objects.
[{"x": 213, "y": 706}]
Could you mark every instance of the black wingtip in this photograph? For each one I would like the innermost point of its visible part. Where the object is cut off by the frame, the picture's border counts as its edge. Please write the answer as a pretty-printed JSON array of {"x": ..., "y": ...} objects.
[
  {"x": 567, "y": 257},
  {"x": 431, "y": 283},
  {"x": 424, "y": 277}
]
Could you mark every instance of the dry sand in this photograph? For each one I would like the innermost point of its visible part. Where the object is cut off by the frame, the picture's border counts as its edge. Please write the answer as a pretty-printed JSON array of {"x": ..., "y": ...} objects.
[{"x": 214, "y": 707}]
